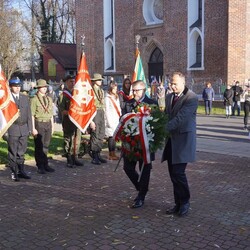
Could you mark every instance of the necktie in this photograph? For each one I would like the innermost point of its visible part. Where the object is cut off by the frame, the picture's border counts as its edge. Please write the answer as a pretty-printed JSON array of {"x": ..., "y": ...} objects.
[
  {"x": 176, "y": 97},
  {"x": 16, "y": 100}
]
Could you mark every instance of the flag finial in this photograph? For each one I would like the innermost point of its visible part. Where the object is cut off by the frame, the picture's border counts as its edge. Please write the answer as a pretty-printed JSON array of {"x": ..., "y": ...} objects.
[
  {"x": 82, "y": 43},
  {"x": 137, "y": 38}
]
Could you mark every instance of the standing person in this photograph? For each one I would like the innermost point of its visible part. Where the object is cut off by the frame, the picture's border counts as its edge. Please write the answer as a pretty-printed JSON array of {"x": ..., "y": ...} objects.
[
  {"x": 208, "y": 97},
  {"x": 236, "y": 99},
  {"x": 246, "y": 96},
  {"x": 180, "y": 148},
  {"x": 19, "y": 132},
  {"x": 228, "y": 100},
  {"x": 59, "y": 93},
  {"x": 42, "y": 121},
  {"x": 112, "y": 115},
  {"x": 124, "y": 94},
  {"x": 97, "y": 126},
  {"x": 71, "y": 134},
  {"x": 139, "y": 92}
]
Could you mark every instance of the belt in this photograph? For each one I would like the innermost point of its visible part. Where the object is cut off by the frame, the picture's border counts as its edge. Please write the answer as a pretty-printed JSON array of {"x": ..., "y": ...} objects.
[
  {"x": 20, "y": 123},
  {"x": 42, "y": 120}
]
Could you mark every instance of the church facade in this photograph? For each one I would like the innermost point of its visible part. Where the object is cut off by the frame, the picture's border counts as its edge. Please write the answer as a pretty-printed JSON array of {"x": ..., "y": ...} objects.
[{"x": 207, "y": 40}]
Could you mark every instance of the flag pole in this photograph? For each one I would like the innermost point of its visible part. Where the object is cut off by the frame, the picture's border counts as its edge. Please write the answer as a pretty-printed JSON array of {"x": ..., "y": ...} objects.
[
  {"x": 75, "y": 137},
  {"x": 118, "y": 163}
]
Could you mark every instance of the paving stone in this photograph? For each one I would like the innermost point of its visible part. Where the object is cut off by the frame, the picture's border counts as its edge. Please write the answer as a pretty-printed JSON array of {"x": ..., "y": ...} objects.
[{"x": 88, "y": 207}]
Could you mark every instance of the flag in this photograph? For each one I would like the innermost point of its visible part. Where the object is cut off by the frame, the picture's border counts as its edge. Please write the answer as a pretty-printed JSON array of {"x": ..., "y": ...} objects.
[
  {"x": 8, "y": 108},
  {"x": 138, "y": 73},
  {"x": 82, "y": 108}
]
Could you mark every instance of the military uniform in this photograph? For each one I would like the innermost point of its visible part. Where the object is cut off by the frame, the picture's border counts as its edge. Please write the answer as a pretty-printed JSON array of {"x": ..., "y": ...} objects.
[
  {"x": 97, "y": 135},
  {"x": 42, "y": 111},
  {"x": 18, "y": 134},
  {"x": 71, "y": 134}
]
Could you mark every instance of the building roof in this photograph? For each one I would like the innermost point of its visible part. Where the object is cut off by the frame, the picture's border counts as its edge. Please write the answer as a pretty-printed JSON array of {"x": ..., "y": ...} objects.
[{"x": 63, "y": 53}]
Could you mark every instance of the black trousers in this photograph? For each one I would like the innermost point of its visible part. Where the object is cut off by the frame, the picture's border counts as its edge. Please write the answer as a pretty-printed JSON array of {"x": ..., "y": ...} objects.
[
  {"x": 178, "y": 178},
  {"x": 42, "y": 141},
  {"x": 17, "y": 146},
  {"x": 142, "y": 185}
]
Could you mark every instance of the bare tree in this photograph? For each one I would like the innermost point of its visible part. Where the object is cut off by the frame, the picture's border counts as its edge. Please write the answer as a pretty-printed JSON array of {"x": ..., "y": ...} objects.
[
  {"x": 11, "y": 43},
  {"x": 55, "y": 18}
]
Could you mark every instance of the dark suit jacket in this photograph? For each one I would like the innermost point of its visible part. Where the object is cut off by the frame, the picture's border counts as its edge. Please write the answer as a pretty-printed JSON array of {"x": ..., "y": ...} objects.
[
  {"x": 130, "y": 105},
  {"x": 23, "y": 125},
  {"x": 182, "y": 127}
]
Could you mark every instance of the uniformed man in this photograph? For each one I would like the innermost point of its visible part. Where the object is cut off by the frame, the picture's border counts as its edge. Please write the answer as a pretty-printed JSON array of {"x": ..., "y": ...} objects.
[
  {"x": 18, "y": 132},
  {"x": 71, "y": 134},
  {"x": 42, "y": 121},
  {"x": 97, "y": 126}
]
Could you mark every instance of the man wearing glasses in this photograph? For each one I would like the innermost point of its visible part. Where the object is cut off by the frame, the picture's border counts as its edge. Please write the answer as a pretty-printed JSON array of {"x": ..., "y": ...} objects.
[{"x": 139, "y": 90}]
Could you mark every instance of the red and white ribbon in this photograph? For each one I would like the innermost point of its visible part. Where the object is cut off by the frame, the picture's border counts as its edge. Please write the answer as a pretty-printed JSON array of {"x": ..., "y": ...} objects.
[{"x": 142, "y": 113}]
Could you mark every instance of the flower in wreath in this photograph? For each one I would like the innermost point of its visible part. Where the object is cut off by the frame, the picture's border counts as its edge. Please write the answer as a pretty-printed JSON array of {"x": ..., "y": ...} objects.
[{"x": 142, "y": 132}]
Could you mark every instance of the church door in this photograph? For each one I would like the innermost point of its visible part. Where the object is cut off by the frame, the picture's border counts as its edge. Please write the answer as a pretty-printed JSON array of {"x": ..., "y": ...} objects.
[{"x": 155, "y": 65}]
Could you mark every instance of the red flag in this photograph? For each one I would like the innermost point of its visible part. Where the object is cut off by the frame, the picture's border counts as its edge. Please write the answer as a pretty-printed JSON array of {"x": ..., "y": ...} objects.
[
  {"x": 82, "y": 105},
  {"x": 8, "y": 109}
]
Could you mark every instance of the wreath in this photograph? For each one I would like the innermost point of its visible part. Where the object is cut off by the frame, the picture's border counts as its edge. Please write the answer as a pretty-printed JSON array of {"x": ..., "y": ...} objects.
[{"x": 142, "y": 132}]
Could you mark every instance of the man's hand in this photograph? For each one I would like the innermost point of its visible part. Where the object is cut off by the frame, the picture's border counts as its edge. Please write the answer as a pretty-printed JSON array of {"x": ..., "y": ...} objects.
[
  {"x": 92, "y": 125},
  {"x": 34, "y": 132}
]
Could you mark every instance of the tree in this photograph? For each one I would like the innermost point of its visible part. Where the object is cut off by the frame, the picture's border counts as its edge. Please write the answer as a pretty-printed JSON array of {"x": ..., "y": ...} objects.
[
  {"x": 11, "y": 43},
  {"x": 55, "y": 18},
  {"x": 51, "y": 21},
  {"x": 26, "y": 25}
]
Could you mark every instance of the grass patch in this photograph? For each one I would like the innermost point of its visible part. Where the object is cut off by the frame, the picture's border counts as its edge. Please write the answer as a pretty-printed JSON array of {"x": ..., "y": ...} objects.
[
  {"x": 215, "y": 110},
  {"x": 55, "y": 148}
]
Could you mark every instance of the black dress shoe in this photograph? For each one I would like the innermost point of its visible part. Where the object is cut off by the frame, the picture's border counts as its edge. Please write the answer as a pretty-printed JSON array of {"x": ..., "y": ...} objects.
[
  {"x": 49, "y": 169},
  {"x": 173, "y": 210},
  {"x": 184, "y": 209},
  {"x": 138, "y": 203}
]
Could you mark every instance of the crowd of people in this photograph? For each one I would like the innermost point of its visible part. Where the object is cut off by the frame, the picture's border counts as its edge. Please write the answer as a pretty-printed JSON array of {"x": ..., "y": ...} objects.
[
  {"x": 233, "y": 96},
  {"x": 37, "y": 118}
]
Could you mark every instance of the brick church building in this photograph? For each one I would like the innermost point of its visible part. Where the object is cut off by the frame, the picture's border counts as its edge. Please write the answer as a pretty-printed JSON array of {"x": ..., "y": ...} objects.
[{"x": 207, "y": 40}]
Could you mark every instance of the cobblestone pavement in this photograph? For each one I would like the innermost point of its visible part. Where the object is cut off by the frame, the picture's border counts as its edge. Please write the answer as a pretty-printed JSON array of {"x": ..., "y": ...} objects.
[{"x": 88, "y": 208}]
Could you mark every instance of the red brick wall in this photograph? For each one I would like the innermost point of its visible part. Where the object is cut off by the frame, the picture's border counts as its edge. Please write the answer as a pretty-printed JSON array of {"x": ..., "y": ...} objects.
[
  {"x": 89, "y": 21},
  {"x": 238, "y": 40},
  {"x": 225, "y": 45}
]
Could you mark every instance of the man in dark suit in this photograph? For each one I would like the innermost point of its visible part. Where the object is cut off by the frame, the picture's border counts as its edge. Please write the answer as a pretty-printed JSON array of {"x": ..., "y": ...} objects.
[
  {"x": 181, "y": 106},
  {"x": 139, "y": 90},
  {"x": 18, "y": 132}
]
